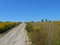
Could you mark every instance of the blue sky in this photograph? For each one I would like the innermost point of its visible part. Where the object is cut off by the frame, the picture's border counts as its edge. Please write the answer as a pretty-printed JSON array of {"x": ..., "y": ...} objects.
[{"x": 28, "y": 10}]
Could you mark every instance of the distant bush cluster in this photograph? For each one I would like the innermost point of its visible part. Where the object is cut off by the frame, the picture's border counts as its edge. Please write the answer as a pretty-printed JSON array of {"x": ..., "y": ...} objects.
[{"x": 45, "y": 20}]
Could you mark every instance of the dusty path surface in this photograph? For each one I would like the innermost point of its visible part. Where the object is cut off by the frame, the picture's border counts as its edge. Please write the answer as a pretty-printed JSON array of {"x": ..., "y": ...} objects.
[{"x": 17, "y": 36}]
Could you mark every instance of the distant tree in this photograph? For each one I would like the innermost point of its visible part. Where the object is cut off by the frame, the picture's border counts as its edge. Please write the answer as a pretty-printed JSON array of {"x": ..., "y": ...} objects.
[
  {"x": 42, "y": 20},
  {"x": 46, "y": 20},
  {"x": 50, "y": 21},
  {"x": 32, "y": 21},
  {"x": 0, "y": 21}
]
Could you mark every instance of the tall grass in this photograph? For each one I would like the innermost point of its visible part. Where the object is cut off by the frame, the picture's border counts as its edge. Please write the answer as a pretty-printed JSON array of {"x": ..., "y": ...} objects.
[
  {"x": 38, "y": 36},
  {"x": 40, "y": 33}
]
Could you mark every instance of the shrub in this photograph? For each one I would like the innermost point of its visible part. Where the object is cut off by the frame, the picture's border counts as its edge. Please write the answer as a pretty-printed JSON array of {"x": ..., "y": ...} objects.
[{"x": 5, "y": 26}]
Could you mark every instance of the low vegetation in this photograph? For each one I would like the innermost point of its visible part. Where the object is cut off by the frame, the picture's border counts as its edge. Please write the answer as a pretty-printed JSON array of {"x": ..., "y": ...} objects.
[
  {"x": 44, "y": 33},
  {"x": 34, "y": 32},
  {"x": 5, "y": 26}
]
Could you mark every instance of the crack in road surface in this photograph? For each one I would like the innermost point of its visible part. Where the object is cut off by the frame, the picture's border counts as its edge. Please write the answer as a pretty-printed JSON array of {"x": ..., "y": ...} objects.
[{"x": 17, "y": 36}]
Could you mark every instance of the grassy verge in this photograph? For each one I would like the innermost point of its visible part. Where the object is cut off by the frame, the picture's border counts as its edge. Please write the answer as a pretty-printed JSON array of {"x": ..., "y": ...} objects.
[
  {"x": 37, "y": 36},
  {"x": 44, "y": 33}
]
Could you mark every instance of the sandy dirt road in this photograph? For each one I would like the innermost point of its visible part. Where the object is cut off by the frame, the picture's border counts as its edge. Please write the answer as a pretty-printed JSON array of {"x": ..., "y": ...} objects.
[{"x": 17, "y": 36}]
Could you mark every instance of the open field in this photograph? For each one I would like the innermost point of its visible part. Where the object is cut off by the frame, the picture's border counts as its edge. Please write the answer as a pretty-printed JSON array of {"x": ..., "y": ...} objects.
[
  {"x": 40, "y": 33},
  {"x": 44, "y": 33}
]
